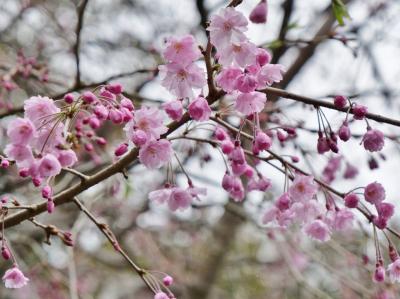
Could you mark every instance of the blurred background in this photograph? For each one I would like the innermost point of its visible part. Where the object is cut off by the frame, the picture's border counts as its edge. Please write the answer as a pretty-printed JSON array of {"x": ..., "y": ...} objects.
[{"x": 217, "y": 248}]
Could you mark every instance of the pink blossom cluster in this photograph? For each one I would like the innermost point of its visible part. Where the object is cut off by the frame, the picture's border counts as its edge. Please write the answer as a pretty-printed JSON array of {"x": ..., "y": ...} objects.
[
  {"x": 176, "y": 197},
  {"x": 373, "y": 140},
  {"x": 299, "y": 205},
  {"x": 37, "y": 142},
  {"x": 245, "y": 67},
  {"x": 239, "y": 168}
]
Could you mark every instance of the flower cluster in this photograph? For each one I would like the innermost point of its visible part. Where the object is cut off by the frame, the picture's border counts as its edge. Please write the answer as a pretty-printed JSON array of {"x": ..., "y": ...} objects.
[{"x": 299, "y": 205}]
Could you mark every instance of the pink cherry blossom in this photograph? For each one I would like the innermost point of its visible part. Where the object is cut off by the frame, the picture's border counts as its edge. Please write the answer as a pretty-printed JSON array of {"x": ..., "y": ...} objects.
[
  {"x": 343, "y": 220},
  {"x": 155, "y": 153},
  {"x": 262, "y": 141},
  {"x": 227, "y": 27},
  {"x": 181, "y": 79},
  {"x": 305, "y": 212},
  {"x": 179, "y": 199},
  {"x": 373, "y": 140},
  {"x": 303, "y": 188},
  {"x": 351, "y": 200},
  {"x": 249, "y": 103},
  {"x": 226, "y": 79},
  {"x": 318, "y": 230},
  {"x": 394, "y": 271},
  {"x": 20, "y": 131},
  {"x": 240, "y": 54},
  {"x": 270, "y": 73},
  {"x": 67, "y": 158},
  {"x": 283, "y": 202},
  {"x": 199, "y": 109},
  {"x": 49, "y": 166},
  {"x": 182, "y": 50},
  {"x": 374, "y": 193},
  {"x": 148, "y": 120},
  {"x": 14, "y": 278},
  {"x": 259, "y": 13},
  {"x": 385, "y": 210},
  {"x": 39, "y": 109},
  {"x": 174, "y": 109},
  {"x": 20, "y": 153},
  {"x": 246, "y": 83},
  {"x": 160, "y": 195},
  {"x": 263, "y": 56}
]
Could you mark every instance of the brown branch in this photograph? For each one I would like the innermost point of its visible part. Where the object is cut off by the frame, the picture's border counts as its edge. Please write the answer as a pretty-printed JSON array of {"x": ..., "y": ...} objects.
[
  {"x": 104, "y": 228},
  {"x": 76, "y": 49},
  {"x": 318, "y": 103}
]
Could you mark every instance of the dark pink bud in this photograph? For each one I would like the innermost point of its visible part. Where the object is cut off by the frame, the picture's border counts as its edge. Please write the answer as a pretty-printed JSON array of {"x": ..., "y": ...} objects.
[
  {"x": 333, "y": 146},
  {"x": 238, "y": 169},
  {"x": 168, "y": 280},
  {"x": 89, "y": 97},
  {"x": 227, "y": 146},
  {"x": 340, "y": 102},
  {"x": 281, "y": 136},
  {"x": 106, "y": 94},
  {"x": 121, "y": 149},
  {"x": 283, "y": 202},
  {"x": 290, "y": 130},
  {"x": 88, "y": 147},
  {"x": 24, "y": 172},
  {"x": 263, "y": 56},
  {"x": 116, "y": 116},
  {"x": 4, "y": 163},
  {"x": 379, "y": 274},
  {"x": 295, "y": 159},
  {"x": 101, "y": 141},
  {"x": 380, "y": 222},
  {"x": 139, "y": 138},
  {"x": 220, "y": 134},
  {"x": 359, "y": 111},
  {"x": 126, "y": 114},
  {"x": 37, "y": 182},
  {"x": 344, "y": 132},
  {"x": 322, "y": 145},
  {"x": 50, "y": 206},
  {"x": 69, "y": 98},
  {"x": 126, "y": 103},
  {"x": 94, "y": 122},
  {"x": 373, "y": 164},
  {"x": 101, "y": 112},
  {"x": 249, "y": 172},
  {"x": 47, "y": 192},
  {"x": 228, "y": 182},
  {"x": 5, "y": 253},
  {"x": 237, "y": 155},
  {"x": 115, "y": 88},
  {"x": 351, "y": 200},
  {"x": 262, "y": 141},
  {"x": 67, "y": 239},
  {"x": 259, "y": 13}
]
